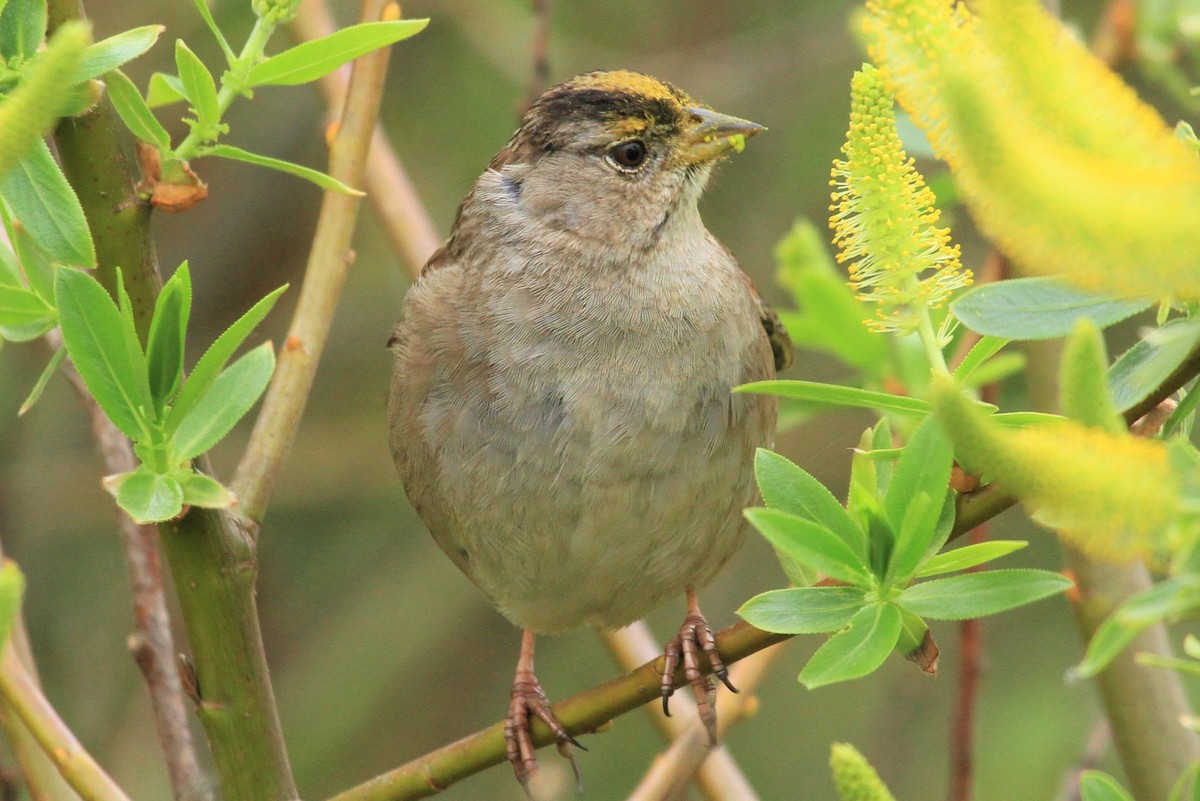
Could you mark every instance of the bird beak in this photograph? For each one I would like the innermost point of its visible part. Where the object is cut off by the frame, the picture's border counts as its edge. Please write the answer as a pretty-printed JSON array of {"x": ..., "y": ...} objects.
[{"x": 713, "y": 134}]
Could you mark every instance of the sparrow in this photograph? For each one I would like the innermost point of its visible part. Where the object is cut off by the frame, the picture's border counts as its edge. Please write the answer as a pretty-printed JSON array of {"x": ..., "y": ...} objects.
[{"x": 561, "y": 411}]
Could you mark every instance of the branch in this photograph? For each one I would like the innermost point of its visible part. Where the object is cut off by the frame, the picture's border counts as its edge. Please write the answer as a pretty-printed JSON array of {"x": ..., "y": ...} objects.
[
  {"x": 539, "y": 77},
  {"x": 581, "y": 714},
  {"x": 152, "y": 645},
  {"x": 25, "y": 698},
  {"x": 329, "y": 261},
  {"x": 404, "y": 218},
  {"x": 212, "y": 560}
]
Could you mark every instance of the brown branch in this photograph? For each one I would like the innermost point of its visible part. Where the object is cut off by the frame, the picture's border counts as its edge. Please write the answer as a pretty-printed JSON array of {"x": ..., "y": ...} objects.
[
  {"x": 404, "y": 218},
  {"x": 539, "y": 78},
  {"x": 325, "y": 274},
  {"x": 23, "y": 695},
  {"x": 962, "y": 722},
  {"x": 152, "y": 645}
]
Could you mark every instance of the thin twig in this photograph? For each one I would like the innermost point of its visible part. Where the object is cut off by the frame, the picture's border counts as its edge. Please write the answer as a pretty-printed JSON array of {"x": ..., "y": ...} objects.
[
  {"x": 962, "y": 722},
  {"x": 539, "y": 78},
  {"x": 404, "y": 218},
  {"x": 152, "y": 644},
  {"x": 328, "y": 264},
  {"x": 718, "y": 774},
  {"x": 24, "y": 696}
]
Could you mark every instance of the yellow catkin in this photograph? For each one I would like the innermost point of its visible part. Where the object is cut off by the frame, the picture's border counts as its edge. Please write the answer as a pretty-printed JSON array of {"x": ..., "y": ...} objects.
[{"x": 854, "y": 777}]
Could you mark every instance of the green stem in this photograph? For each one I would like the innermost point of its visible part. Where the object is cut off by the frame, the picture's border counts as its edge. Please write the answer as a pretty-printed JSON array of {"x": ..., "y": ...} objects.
[
  {"x": 256, "y": 42},
  {"x": 929, "y": 340}
]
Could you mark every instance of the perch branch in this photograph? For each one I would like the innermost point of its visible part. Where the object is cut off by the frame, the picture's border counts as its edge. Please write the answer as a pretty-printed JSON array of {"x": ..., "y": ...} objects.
[{"x": 328, "y": 265}]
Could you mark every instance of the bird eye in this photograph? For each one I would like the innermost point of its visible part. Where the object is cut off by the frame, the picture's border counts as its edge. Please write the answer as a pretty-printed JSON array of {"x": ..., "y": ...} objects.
[{"x": 628, "y": 155}]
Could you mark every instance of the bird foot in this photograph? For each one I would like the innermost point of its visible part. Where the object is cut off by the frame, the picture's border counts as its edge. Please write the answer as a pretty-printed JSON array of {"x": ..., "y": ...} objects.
[
  {"x": 695, "y": 637},
  {"x": 528, "y": 699}
]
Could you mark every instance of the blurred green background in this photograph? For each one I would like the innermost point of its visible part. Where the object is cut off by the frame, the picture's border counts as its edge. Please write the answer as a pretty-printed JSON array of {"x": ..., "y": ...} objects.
[{"x": 380, "y": 649}]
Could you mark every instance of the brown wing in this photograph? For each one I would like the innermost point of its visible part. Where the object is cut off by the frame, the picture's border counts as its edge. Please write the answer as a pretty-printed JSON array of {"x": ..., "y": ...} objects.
[{"x": 777, "y": 335}]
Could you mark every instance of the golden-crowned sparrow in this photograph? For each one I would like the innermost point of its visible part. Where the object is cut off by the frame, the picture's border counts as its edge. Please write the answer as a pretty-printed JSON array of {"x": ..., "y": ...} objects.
[{"x": 561, "y": 412}]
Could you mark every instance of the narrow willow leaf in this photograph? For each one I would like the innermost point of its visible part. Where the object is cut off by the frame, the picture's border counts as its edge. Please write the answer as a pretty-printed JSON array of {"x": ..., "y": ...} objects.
[
  {"x": 995, "y": 370},
  {"x": 1019, "y": 419},
  {"x": 228, "y": 399},
  {"x": 923, "y": 469},
  {"x": 29, "y": 111},
  {"x": 1037, "y": 308},
  {"x": 311, "y": 60},
  {"x": 21, "y": 307},
  {"x": 39, "y": 386},
  {"x": 1096, "y": 785},
  {"x": 204, "y": 491},
  {"x": 214, "y": 359},
  {"x": 110, "y": 53},
  {"x": 315, "y": 176},
  {"x": 38, "y": 268},
  {"x": 1143, "y": 368},
  {"x": 198, "y": 85},
  {"x": 215, "y": 30},
  {"x": 838, "y": 396},
  {"x": 134, "y": 111},
  {"x": 881, "y": 439},
  {"x": 22, "y": 28},
  {"x": 787, "y": 486},
  {"x": 168, "y": 332},
  {"x": 810, "y": 544},
  {"x": 95, "y": 339},
  {"x": 981, "y": 594},
  {"x": 803, "y": 610},
  {"x": 12, "y": 590},
  {"x": 40, "y": 197},
  {"x": 164, "y": 90},
  {"x": 969, "y": 556},
  {"x": 980, "y": 352},
  {"x": 147, "y": 496},
  {"x": 915, "y": 643},
  {"x": 1155, "y": 604},
  {"x": 858, "y": 650},
  {"x": 1181, "y": 666}
]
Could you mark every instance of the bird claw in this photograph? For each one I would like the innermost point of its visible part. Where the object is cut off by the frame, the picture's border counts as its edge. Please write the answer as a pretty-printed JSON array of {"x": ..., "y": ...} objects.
[
  {"x": 529, "y": 698},
  {"x": 695, "y": 636}
]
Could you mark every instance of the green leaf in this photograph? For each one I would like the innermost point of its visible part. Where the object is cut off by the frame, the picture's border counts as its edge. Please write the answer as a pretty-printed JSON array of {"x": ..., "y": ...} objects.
[
  {"x": 39, "y": 270},
  {"x": 147, "y": 497},
  {"x": 198, "y": 85},
  {"x": 40, "y": 197},
  {"x": 969, "y": 556},
  {"x": 924, "y": 469},
  {"x": 22, "y": 28},
  {"x": 913, "y": 631},
  {"x": 1095, "y": 785},
  {"x": 980, "y": 594},
  {"x": 228, "y": 399},
  {"x": 1083, "y": 388},
  {"x": 95, "y": 338},
  {"x": 202, "y": 7},
  {"x": 214, "y": 359},
  {"x": 39, "y": 386},
  {"x": 204, "y": 491},
  {"x": 1153, "y": 605},
  {"x": 838, "y": 395},
  {"x": 1018, "y": 419},
  {"x": 1147, "y": 364},
  {"x": 12, "y": 590},
  {"x": 110, "y": 53},
  {"x": 168, "y": 332},
  {"x": 164, "y": 90},
  {"x": 811, "y": 545},
  {"x": 787, "y": 486},
  {"x": 315, "y": 176},
  {"x": 995, "y": 370},
  {"x": 881, "y": 439},
  {"x": 1037, "y": 308},
  {"x": 30, "y": 110},
  {"x": 311, "y": 60},
  {"x": 858, "y": 650},
  {"x": 803, "y": 610},
  {"x": 134, "y": 111},
  {"x": 21, "y": 307},
  {"x": 980, "y": 352}
]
